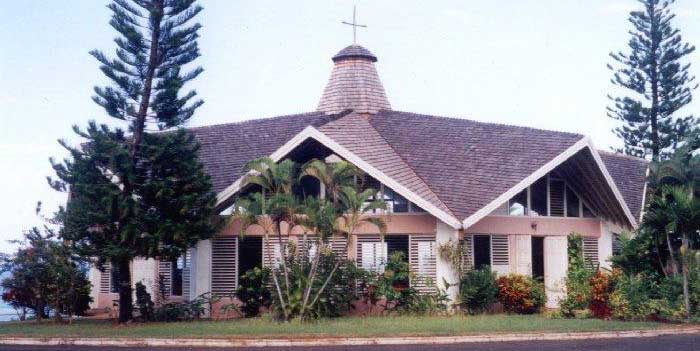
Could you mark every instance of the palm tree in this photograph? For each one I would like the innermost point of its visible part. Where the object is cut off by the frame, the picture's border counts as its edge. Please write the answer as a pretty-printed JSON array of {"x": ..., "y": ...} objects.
[
  {"x": 352, "y": 210},
  {"x": 275, "y": 203},
  {"x": 333, "y": 176},
  {"x": 270, "y": 207},
  {"x": 680, "y": 210}
]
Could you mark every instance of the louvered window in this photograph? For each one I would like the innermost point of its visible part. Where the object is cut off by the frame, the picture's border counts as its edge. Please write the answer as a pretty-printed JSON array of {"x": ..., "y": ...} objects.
[
  {"x": 371, "y": 253},
  {"x": 109, "y": 279},
  {"x": 224, "y": 265},
  {"x": 616, "y": 244},
  {"x": 590, "y": 251},
  {"x": 422, "y": 262},
  {"x": 337, "y": 244},
  {"x": 272, "y": 251},
  {"x": 499, "y": 250},
  {"x": 172, "y": 275},
  {"x": 187, "y": 273},
  {"x": 165, "y": 277},
  {"x": 556, "y": 197}
]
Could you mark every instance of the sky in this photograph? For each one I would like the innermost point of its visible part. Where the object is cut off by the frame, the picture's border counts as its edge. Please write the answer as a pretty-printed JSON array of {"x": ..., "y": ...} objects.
[{"x": 538, "y": 63}]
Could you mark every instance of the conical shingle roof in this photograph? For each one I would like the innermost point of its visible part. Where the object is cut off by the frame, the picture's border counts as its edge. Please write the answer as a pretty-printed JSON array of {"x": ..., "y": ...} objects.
[{"x": 354, "y": 84}]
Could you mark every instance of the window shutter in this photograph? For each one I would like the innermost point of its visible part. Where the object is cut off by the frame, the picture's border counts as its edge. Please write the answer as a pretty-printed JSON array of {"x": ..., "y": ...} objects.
[
  {"x": 500, "y": 254},
  {"x": 371, "y": 253},
  {"x": 616, "y": 244},
  {"x": 165, "y": 276},
  {"x": 339, "y": 247},
  {"x": 224, "y": 265},
  {"x": 422, "y": 262},
  {"x": 467, "y": 249},
  {"x": 106, "y": 279},
  {"x": 499, "y": 250},
  {"x": 556, "y": 195},
  {"x": 187, "y": 272},
  {"x": 590, "y": 251},
  {"x": 272, "y": 251},
  {"x": 337, "y": 244}
]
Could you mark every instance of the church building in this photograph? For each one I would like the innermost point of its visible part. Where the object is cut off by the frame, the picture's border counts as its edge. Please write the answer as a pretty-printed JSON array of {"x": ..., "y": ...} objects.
[{"x": 512, "y": 194}]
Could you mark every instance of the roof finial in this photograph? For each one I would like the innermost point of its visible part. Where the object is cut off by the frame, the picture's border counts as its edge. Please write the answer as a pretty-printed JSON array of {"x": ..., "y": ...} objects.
[{"x": 354, "y": 25}]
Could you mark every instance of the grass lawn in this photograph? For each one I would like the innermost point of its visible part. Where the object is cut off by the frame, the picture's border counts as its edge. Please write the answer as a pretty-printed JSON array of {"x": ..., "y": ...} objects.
[{"x": 340, "y": 327}]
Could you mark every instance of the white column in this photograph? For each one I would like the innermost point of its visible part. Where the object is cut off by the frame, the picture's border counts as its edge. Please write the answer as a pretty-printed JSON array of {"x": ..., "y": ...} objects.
[
  {"x": 605, "y": 243},
  {"x": 523, "y": 254},
  {"x": 202, "y": 262},
  {"x": 556, "y": 264},
  {"x": 144, "y": 271},
  {"x": 94, "y": 276},
  {"x": 444, "y": 270}
]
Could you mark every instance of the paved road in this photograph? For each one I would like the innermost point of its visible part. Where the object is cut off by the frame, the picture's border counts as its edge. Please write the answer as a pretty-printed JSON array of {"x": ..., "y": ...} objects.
[{"x": 673, "y": 343}]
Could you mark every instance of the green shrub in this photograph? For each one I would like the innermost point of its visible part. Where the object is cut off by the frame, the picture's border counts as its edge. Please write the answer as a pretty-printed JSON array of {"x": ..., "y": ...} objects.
[
  {"x": 253, "y": 291},
  {"x": 578, "y": 288},
  {"x": 179, "y": 311},
  {"x": 637, "y": 298},
  {"x": 393, "y": 289},
  {"x": 602, "y": 285},
  {"x": 477, "y": 290},
  {"x": 144, "y": 303},
  {"x": 520, "y": 294},
  {"x": 336, "y": 297}
]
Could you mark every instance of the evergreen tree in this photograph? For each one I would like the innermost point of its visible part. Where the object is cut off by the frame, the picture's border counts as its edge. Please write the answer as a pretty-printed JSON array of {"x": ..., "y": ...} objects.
[
  {"x": 134, "y": 193},
  {"x": 657, "y": 81}
]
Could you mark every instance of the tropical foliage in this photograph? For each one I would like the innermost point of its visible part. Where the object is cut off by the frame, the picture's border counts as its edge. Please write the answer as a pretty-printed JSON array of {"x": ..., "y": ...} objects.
[
  {"x": 578, "y": 288},
  {"x": 277, "y": 206},
  {"x": 253, "y": 292},
  {"x": 45, "y": 277},
  {"x": 520, "y": 294},
  {"x": 477, "y": 290}
]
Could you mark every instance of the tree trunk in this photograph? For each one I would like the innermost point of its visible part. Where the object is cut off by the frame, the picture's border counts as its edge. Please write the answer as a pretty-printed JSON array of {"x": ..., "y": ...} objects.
[
  {"x": 654, "y": 82},
  {"x": 125, "y": 298},
  {"x": 140, "y": 121},
  {"x": 138, "y": 127},
  {"x": 671, "y": 255},
  {"x": 684, "y": 263}
]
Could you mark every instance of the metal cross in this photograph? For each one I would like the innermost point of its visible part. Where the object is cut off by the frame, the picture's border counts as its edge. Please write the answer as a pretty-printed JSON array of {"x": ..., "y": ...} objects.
[{"x": 354, "y": 25}]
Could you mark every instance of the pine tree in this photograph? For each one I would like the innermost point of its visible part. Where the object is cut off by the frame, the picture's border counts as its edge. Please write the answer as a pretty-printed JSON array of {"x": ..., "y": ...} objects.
[
  {"x": 137, "y": 193},
  {"x": 658, "y": 84}
]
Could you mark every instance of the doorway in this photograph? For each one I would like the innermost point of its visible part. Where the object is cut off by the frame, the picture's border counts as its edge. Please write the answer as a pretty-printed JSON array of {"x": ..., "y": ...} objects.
[
  {"x": 538, "y": 258},
  {"x": 482, "y": 251},
  {"x": 249, "y": 253}
]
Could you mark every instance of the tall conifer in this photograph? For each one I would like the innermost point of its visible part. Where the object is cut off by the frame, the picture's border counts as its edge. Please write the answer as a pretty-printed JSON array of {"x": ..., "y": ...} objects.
[
  {"x": 136, "y": 192},
  {"x": 657, "y": 82}
]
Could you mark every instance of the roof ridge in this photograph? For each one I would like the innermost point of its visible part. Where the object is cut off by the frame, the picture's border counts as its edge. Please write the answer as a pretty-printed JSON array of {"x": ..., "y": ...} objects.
[
  {"x": 253, "y": 120},
  {"x": 408, "y": 165},
  {"x": 480, "y": 122},
  {"x": 629, "y": 157}
]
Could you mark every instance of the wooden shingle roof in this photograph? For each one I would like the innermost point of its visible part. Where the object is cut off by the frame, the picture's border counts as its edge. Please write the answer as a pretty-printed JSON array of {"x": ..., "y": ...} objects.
[{"x": 457, "y": 165}]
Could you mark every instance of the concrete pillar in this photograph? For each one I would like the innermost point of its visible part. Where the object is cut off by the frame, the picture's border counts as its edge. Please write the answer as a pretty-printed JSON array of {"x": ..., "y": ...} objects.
[
  {"x": 521, "y": 249},
  {"x": 94, "y": 276},
  {"x": 144, "y": 271},
  {"x": 605, "y": 243},
  {"x": 202, "y": 264},
  {"x": 444, "y": 270},
  {"x": 556, "y": 264}
]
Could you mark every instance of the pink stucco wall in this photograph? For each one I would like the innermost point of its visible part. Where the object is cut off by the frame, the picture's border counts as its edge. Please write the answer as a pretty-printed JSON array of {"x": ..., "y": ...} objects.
[
  {"x": 522, "y": 225},
  {"x": 414, "y": 223}
]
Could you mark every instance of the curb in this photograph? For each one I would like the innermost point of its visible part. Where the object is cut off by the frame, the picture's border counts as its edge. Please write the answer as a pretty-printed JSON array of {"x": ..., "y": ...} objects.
[{"x": 281, "y": 342}]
